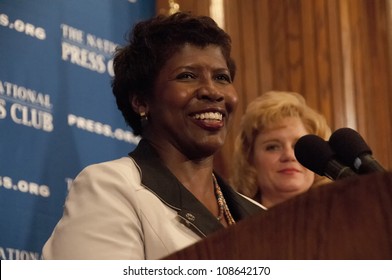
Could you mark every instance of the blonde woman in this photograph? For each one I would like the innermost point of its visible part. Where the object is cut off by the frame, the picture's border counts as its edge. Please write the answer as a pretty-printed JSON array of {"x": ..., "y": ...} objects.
[{"x": 265, "y": 167}]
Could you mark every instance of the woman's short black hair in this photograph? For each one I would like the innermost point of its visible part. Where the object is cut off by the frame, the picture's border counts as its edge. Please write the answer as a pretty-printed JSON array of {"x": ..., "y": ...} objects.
[{"x": 150, "y": 44}]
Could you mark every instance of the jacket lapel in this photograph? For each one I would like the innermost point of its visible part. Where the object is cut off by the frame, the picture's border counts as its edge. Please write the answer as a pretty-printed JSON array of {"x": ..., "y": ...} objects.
[{"x": 158, "y": 179}]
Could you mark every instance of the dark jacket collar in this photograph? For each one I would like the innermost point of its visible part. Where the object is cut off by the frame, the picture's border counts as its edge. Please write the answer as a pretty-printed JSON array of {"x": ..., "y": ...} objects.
[{"x": 158, "y": 178}]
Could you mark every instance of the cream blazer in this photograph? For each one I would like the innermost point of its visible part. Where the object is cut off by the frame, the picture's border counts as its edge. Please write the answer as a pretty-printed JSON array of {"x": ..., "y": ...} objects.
[{"x": 134, "y": 208}]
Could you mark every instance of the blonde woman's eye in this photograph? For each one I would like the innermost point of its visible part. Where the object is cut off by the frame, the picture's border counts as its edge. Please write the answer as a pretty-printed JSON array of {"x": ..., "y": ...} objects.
[{"x": 272, "y": 147}]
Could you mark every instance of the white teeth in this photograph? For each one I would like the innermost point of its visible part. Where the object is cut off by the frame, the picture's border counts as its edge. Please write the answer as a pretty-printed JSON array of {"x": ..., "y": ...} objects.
[{"x": 209, "y": 116}]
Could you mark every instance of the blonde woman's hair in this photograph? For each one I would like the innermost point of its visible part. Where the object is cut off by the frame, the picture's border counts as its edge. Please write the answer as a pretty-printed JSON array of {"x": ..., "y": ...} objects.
[{"x": 264, "y": 112}]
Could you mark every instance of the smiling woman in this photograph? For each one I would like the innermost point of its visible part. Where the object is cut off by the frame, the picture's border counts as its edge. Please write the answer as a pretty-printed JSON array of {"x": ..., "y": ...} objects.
[
  {"x": 173, "y": 84},
  {"x": 192, "y": 88}
]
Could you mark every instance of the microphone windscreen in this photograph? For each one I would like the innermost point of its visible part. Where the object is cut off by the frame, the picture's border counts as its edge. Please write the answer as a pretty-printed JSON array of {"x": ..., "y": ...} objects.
[
  {"x": 314, "y": 153},
  {"x": 348, "y": 145}
]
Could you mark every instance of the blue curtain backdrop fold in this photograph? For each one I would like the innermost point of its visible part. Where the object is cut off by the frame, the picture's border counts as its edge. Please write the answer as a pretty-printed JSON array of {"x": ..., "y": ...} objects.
[{"x": 57, "y": 111}]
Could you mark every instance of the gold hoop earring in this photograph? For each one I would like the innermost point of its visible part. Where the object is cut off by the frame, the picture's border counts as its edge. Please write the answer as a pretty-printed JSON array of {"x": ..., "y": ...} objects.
[{"x": 143, "y": 118}]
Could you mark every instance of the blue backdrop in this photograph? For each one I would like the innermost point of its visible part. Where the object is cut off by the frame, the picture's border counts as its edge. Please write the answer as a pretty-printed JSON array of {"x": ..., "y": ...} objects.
[{"x": 57, "y": 111}]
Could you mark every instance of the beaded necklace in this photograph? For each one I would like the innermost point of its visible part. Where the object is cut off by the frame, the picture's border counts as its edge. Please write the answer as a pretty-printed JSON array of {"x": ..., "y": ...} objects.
[{"x": 224, "y": 212}]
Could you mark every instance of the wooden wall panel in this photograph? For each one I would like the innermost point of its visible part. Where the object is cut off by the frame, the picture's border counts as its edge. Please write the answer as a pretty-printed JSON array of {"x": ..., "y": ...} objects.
[
  {"x": 336, "y": 53},
  {"x": 199, "y": 7},
  {"x": 264, "y": 60},
  {"x": 323, "y": 59},
  {"x": 295, "y": 55},
  {"x": 338, "y": 114},
  {"x": 372, "y": 74}
]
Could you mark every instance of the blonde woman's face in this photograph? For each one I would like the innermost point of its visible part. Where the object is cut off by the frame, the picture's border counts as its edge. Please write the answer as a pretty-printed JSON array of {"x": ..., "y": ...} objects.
[{"x": 279, "y": 175}]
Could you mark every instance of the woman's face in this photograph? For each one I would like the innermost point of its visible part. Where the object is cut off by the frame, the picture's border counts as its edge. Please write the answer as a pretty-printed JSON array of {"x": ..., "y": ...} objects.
[
  {"x": 279, "y": 175},
  {"x": 193, "y": 101}
]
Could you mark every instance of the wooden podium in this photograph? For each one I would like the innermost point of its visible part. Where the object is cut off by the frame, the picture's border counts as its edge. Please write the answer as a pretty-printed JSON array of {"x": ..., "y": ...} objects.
[{"x": 350, "y": 219}]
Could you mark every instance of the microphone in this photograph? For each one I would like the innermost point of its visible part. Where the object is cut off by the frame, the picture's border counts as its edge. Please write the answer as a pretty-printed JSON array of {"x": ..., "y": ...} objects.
[
  {"x": 314, "y": 153},
  {"x": 352, "y": 150}
]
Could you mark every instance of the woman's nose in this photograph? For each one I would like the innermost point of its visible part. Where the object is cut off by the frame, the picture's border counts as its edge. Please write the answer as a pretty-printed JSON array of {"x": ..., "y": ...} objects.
[
  {"x": 288, "y": 154},
  {"x": 209, "y": 91}
]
